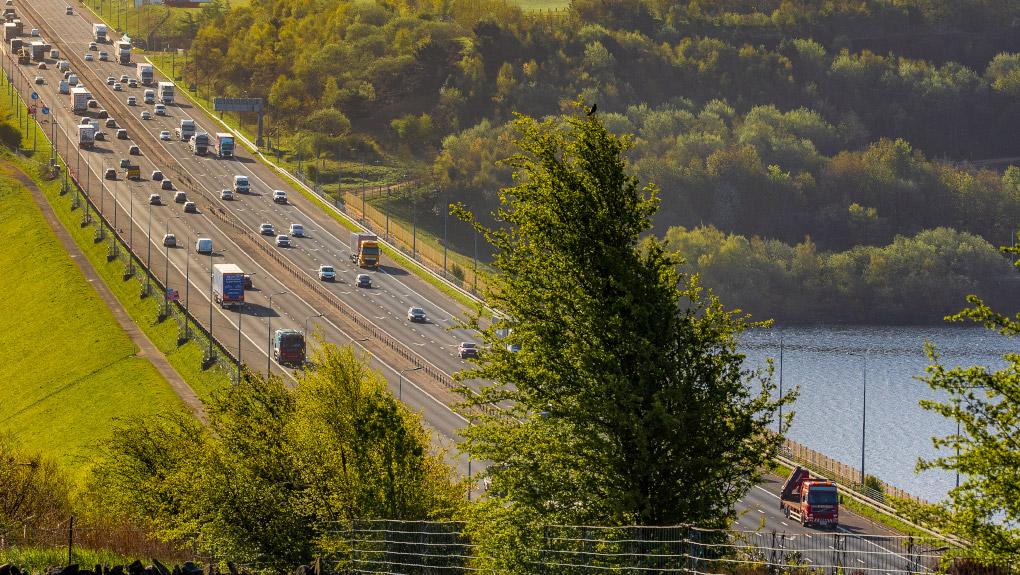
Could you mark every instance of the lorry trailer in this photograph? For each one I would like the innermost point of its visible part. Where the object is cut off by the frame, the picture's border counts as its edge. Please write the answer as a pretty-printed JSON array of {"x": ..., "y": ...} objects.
[
  {"x": 185, "y": 130},
  {"x": 289, "y": 346},
  {"x": 144, "y": 72},
  {"x": 165, "y": 91},
  {"x": 199, "y": 143},
  {"x": 810, "y": 499},
  {"x": 224, "y": 145},
  {"x": 99, "y": 32},
  {"x": 80, "y": 97},
  {"x": 123, "y": 50},
  {"x": 86, "y": 136},
  {"x": 228, "y": 285},
  {"x": 365, "y": 249}
]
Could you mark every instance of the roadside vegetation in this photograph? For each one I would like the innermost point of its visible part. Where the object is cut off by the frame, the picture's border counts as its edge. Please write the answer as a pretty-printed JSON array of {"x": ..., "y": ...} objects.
[
  {"x": 67, "y": 367},
  {"x": 780, "y": 121}
]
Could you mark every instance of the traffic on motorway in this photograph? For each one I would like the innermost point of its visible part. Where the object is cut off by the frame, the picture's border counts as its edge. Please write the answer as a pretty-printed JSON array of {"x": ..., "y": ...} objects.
[
  {"x": 123, "y": 153},
  {"x": 169, "y": 169}
]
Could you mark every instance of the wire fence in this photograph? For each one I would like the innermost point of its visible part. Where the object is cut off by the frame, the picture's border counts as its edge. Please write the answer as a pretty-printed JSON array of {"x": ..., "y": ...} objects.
[{"x": 413, "y": 548}]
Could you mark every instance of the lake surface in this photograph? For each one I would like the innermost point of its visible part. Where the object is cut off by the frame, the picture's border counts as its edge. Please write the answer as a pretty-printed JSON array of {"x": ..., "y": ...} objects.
[{"x": 826, "y": 363}]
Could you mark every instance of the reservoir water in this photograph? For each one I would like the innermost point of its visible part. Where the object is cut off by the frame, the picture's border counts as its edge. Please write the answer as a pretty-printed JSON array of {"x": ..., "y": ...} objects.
[{"x": 826, "y": 363}]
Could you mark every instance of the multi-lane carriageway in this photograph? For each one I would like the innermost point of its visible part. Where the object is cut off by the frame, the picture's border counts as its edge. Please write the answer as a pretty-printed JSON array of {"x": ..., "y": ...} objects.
[{"x": 233, "y": 227}]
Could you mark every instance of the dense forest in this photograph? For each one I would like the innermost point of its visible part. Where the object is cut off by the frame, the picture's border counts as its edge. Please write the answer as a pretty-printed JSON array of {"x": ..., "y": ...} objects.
[{"x": 854, "y": 123}]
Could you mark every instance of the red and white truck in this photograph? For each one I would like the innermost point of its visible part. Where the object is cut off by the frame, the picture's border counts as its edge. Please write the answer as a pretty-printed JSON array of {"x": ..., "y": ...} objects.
[{"x": 809, "y": 499}]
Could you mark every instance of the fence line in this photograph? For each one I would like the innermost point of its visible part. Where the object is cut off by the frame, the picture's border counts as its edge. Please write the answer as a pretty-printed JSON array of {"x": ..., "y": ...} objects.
[
  {"x": 843, "y": 474},
  {"x": 399, "y": 548}
]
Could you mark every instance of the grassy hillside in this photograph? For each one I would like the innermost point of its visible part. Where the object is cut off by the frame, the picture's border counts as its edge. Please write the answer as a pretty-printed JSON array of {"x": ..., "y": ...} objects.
[{"x": 66, "y": 367}]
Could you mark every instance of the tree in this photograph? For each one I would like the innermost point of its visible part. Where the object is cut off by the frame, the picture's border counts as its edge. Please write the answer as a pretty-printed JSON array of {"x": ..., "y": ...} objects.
[
  {"x": 278, "y": 472},
  {"x": 985, "y": 507},
  {"x": 627, "y": 402},
  {"x": 32, "y": 488}
]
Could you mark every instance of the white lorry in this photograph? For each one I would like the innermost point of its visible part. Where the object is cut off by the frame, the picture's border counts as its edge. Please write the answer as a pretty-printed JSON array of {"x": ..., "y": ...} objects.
[
  {"x": 185, "y": 130},
  {"x": 123, "y": 50},
  {"x": 99, "y": 32},
  {"x": 228, "y": 285},
  {"x": 86, "y": 136},
  {"x": 80, "y": 97},
  {"x": 166, "y": 92},
  {"x": 144, "y": 73}
]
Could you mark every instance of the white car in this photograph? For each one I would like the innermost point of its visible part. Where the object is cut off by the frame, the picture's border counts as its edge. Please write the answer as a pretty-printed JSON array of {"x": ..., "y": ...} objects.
[
  {"x": 282, "y": 241},
  {"x": 131, "y": 101},
  {"x": 280, "y": 196},
  {"x": 35, "y": 31},
  {"x": 327, "y": 273},
  {"x": 297, "y": 230},
  {"x": 117, "y": 87},
  {"x": 267, "y": 230},
  {"x": 146, "y": 115},
  {"x": 89, "y": 57},
  {"x": 165, "y": 135},
  {"x": 226, "y": 195}
]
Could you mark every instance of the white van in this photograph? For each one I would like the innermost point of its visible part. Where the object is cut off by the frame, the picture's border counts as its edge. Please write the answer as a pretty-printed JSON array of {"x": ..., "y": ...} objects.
[
  {"x": 241, "y": 185},
  {"x": 72, "y": 80},
  {"x": 150, "y": 96},
  {"x": 203, "y": 246}
]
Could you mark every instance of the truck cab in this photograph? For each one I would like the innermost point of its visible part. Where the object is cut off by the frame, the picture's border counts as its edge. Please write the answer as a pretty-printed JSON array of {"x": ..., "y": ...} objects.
[
  {"x": 289, "y": 346},
  {"x": 810, "y": 499},
  {"x": 185, "y": 130}
]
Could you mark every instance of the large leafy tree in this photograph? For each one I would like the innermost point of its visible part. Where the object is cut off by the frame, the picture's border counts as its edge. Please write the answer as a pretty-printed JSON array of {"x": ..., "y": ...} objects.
[
  {"x": 627, "y": 402},
  {"x": 985, "y": 508},
  {"x": 278, "y": 472}
]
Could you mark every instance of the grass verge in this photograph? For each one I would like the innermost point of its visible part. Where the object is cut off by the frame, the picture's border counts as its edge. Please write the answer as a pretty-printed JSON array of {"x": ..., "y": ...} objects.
[
  {"x": 67, "y": 367},
  {"x": 37, "y": 559},
  {"x": 186, "y": 358}
]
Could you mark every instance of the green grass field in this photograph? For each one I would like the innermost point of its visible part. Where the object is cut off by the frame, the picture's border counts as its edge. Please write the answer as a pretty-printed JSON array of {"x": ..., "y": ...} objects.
[
  {"x": 66, "y": 367},
  {"x": 543, "y": 4}
]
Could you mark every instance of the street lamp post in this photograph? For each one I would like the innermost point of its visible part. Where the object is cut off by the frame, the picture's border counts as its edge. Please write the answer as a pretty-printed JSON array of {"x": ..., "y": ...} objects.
[
  {"x": 211, "y": 298},
  {"x": 864, "y": 407},
  {"x": 148, "y": 252},
  {"x": 400, "y": 383},
  {"x": 166, "y": 272},
  {"x": 780, "y": 430},
  {"x": 306, "y": 331},
  {"x": 240, "y": 308},
  {"x": 269, "y": 338}
]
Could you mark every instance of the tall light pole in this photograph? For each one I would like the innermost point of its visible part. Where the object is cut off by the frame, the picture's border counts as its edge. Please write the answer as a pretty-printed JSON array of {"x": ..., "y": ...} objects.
[
  {"x": 240, "y": 308},
  {"x": 780, "y": 430},
  {"x": 306, "y": 332},
  {"x": 269, "y": 338},
  {"x": 211, "y": 298},
  {"x": 400, "y": 383},
  {"x": 148, "y": 254},
  {"x": 187, "y": 287},
  {"x": 864, "y": 406}
]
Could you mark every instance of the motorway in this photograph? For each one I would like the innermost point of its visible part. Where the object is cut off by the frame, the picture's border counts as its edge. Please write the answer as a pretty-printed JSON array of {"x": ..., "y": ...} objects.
[{"x": 286, "y": 274}]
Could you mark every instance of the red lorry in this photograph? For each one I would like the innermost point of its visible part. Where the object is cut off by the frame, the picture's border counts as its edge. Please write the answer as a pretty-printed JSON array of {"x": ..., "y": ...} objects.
[{"x": 812, "y": 500}]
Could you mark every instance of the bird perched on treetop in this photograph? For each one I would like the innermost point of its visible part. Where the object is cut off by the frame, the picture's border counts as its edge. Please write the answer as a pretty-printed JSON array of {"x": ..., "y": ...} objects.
[{"x": 594, "y": 108}]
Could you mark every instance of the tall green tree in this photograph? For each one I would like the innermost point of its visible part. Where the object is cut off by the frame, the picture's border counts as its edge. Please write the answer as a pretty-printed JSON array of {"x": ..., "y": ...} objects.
[
  {"x": 278, "y": 472},
  {"x": 985, "y": 508},
  {"x": 627, "y": 402}
]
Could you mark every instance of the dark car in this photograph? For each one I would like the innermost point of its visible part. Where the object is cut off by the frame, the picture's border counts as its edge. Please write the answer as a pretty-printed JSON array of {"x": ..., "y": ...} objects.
[
  {"x": 111, "y": 174},
  {"x": 166, "y": 185},
  {"x": 468, "y": 349},
  {"x": 416, "y": 315},
  {"x": 122, "y": 134},
  {"x": 248, "y": 283},
  {"x": 364, "y": 281}
]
